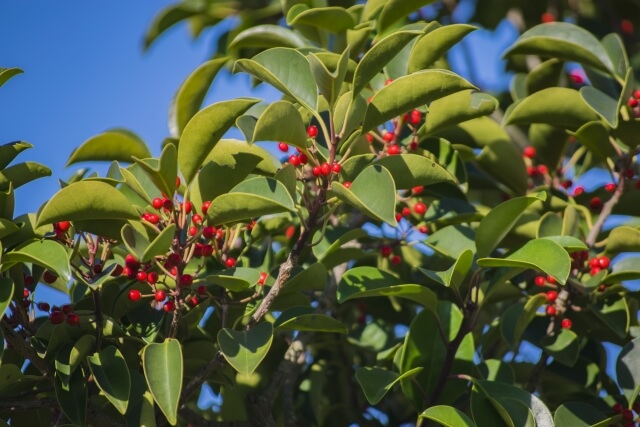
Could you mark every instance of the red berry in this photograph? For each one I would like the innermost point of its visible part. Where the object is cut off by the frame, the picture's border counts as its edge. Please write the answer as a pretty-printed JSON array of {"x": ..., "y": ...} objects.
[
  {"x": 551, "y": 296},
  {"x": 293, "y": 159},
  {"x": 540, "y": 281},
  {"x": 43, "y": 306},
  {"x": 153, "y": 218},
  {"x": 131, "y": 261},
  {"x": 303, "y": 158},
  {"x": 398, "y": 217},
  {"x": 207, "y": 250},
  {"x": 157, "y": 203},
  {"x": 627, "y": 28},
  {"x": 325, "y": 168},
  {"x": 336, "y": 168},
  {"x": 406, "y": 211},
  {"x": 25, "y": 293},
  {"x": 63, "y": 226},
  {"x": 174, "y": 259},
  {"x": 610, "y": 187},
  {"x": 603, "y": 262},
  {"x": 388, "y": 82},
  {"x": 529, "y": 152},
  {"x": 395, "y": 260},
  {"x": 369, "y": 138},
  {"x": 416, "y": 116},
  {"x": 177, "y": 182},
  {"x": 576, "y": 78},
  {"x": 629, "y": 173},
  {"x": 593, "y": 262},
  {"x": 169, "y": 306},
  {"x": 347, "y": 184},
  {"x": 160, "y": 296},
  {"x": 595, "y": 270},
  {"x": 73, "y": 319},
  {"x": 567, "y": 323},
  {"x": 617, "y": 407},
  {"x": 566, "y": 184},
  {"x": 385, "y": 251},
  {"x": 49, "y": 277},
  {"x": 632, "y": 102},
  {"x": 636, "y": 94},
  {"x": 316, "y": 171},
  {"x": 551, "y": 310},
  {"x": 134, "y": 295},
  {"x": 193, "y": 301},
  {"x": 532, "y": 171},
  {"x": 28, "y": 280},
  {"x": 547, "y": 17},
  {"x": 167, "y": 204},
  {"x": 413, "y": 146},
  {"x": 56, "y": 317},
  {"x": 393, "y": 149},
  {"x": 423, "y": 229},
  {"x": 230, "y": 262},
  {"x": 185, "y": 280},
  {"x": 595, "y": 203},
  {"x": 283, "y": 147},
  {"x": 627, "y": 415},
  {"x": 188, "y": 207},
  {"x": 543, "y": 169},
  {"x": 263, "y": 278},
  {"x": 420, "y": 208},
  {"x": 202, "y": 290},
  {"x": 142, "y": 276},
  {"x": 197, "y": 219},
  {"x": 193, "y": 231},
  {"x": 205, "y": 206},
  {"x": 417, "y": 190},
  {"x": 152, "y": 277},
  {"x": 388, "y": 136},
  {"x": 208, "y": 232},
  {"x": 312, "y": 131},
  {"x": 197, "y": 250},
  {"x": 578, "y": 191}
]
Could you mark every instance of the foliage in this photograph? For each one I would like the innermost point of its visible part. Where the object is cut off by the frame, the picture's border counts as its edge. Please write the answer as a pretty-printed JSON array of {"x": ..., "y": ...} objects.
[{"x": 388, "y": 271}]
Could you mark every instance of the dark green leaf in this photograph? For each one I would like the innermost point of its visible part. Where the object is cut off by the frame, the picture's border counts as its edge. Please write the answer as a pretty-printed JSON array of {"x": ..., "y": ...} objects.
[
  {"x": 307, "y": 319},
  {"x": 447, "y": 416},
  {"x": 595, "y": 136},
  {"x": 376, "y": 382},
  {"x": 6, "y": 293},
  {"x": 162, "y": 364},
  {"x": 244, "y": 350},
  {"x": 73, "y": 397},
  {"x": 628, "y": 370},
  {"x": 7, "y": 73},
  {"x": 601, "y": 104},
  {"x": 517, "y": 317},
  {"x": 578, "y": 414},
  {"x": 454, "y": 276},
  {"x": 564, "y": 347},
  {"x": 111, "y": 375}
]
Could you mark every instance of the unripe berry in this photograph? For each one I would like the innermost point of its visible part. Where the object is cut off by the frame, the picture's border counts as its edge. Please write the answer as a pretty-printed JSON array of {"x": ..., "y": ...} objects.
[
  {"x": 420, "y": 208},
  {"x": 160, "y": 296},
  {"x": 551, "y": 310},
  {"x": 312, "y": 131},
  {"x": 205, "y": 206},
  {"x": 529, "y": 152},
  {"x": 73, "y": 319},
  {"x": 134, "y": 295},
  {"x": 567, "y": 323},
  {"x": 230, "y": 262},
  {"x": 157, "y": 203},
  {"x": 283, "y": 147}
]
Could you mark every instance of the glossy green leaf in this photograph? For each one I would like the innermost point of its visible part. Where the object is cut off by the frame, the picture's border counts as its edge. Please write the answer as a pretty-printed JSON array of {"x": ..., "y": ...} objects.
[
  {"x": 550, "y": 224},
  {"x": 378, "y": 56},
  {"x": 571, "y": 244},
  {"x": 307, "y": 319},
  {"x": 164, "y": 171},
  {"x": 269, "y": 126},
  {"x": 233, "y": 153},
  {"x": 556, "y": 106},
  {"x": 285, "y": 69},
  {"x": 499, "y": 221},
  {"x": 447, "y": 416},
  {"x": 135, "y": 241},
  {"x": 454, "y": 276},
  {"x": 235, "y": 279},
  {"x": 6, "y": 293},
  {"x": 325, "y": 247},
  {"x": 623, "y": 239},
  {"x": 578, "y": 414},
  {"x": 7, "y": 227},
  {"x": 244, "y": 350},
  {"x": 71, "y": 355},
  {"x": 86, "y": 200},
  {"x": 411, "y": 170},
  {"x": 545, "y": 75},
  {"x": 9, "y": 151},
  {"x": 268, "y": 35},
  {"x": 601, "y": 104},
  {"x": 518, "y": 316},
  {"x": 394, "y": 10},
  {"x": 377, "y": 382},
  {"x": 373, "y": 192},
  {"x": 116, "y": 144},
  {"x": 191, "y": 94},
  {"x": 204, "y": 130},
  {"x": 334, "y": 19},
  {"x": 409, "y": 92},
  {"x": 312, "y": 278},
  {"x": 628, "y": 370},
  {"x": 73, "y": 397},
  {"x": 456, "y": 108},
  {"x": 625, "y": 269},
  {"x": 46, "y": 253},
  {"x": 160, "y": 244},
  {"x": 22, "y": 173},
  {"x": 166, "y": 19},
  {"x": 564, "y": 347},
  {"x": 250, "y": 199},
  {"x": 435, "y": 44},
  {"x": 162, "y": 364},
  {"x": 329, "y": 81},
  {"x": 564, "y": 41},
  {"x": 595, "y": 136},
  {"x": 539, "y": 254},
  {"x": 111, "y": 375},
  {"x": 365, "y": 282},
  {"x": 7, "y": 73}
]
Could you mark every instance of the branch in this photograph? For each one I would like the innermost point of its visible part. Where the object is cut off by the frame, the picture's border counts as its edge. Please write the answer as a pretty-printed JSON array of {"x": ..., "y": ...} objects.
[
  {"x": 604, "y": 214},
  {"x": 20, "y": 344},
  {"x": 204, "y": 373}
]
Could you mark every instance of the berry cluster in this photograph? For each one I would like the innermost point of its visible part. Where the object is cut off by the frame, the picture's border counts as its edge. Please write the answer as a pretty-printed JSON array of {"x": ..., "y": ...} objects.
[
  {"x": 551, "y": 297},
  {"x": 629, "y": 416},
  {"x": 633, "y": 103},
  {"x": 392, "y": 140}
]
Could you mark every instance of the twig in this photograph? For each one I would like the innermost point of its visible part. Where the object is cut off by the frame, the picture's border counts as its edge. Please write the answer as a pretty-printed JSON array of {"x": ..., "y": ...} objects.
[
  {"x": 607, "y": 208},
  {"x": 22, "y": 347}
]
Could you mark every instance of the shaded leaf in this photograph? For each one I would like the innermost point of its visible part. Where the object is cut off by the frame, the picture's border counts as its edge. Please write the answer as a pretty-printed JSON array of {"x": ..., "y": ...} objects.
[
  {"x": 601, "y": 104},
  {"x": 578, "y": 414},
  {"x": 454, "y": 276},
  {"x": 244, "y": 350},
  {"x": 73, "y": 397},
  {"x": 307, "y": 319},
  {"x": 6, "y": 293},
  {"x": 376, "y": 382},
  {"x": 111, "y": 374},
  {"x": 7, "y": 73},
  {"x": 564, "y": 347},
  {"x": 447, "y": 416}
]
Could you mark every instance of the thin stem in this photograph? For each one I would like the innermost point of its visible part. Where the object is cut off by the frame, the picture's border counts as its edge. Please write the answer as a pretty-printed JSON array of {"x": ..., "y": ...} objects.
[
  {"x": 604, "y": 214},
  {"x": 99, "y": 318}
]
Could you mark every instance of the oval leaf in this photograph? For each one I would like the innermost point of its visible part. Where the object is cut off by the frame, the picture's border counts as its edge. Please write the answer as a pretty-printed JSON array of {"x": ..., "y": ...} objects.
[
  {"x": 307, "y": 319},
  {"x": 601, "y": 104},
  {"x": 333, "y": 19},
  {"x": 22, "y": 173},
  {"x": 376, "y": 382},
  {"x": 269, "y": 126},
  {"x": 162, "y": 364},
  {"x": 244, "y": 350},
  {"x": 266, "y": 36},
  {"x": 411, "y": 170},
  {"x": 111, "y": 374},
  {"x": 394, "y": 10},
  {"x": 46, "y": 253},
  {"x": 447, "y": 416},
  {"x": 433, "y": 45},
  {"x": 457, "y": 108},
  {"x": 116, "y": 144}
]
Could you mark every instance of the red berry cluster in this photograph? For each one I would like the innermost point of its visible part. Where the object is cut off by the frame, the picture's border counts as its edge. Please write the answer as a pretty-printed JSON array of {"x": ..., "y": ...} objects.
[
  {"x": 386, "y": 251},
  {"x": 391, "y": 139},
  {"x": 61, "y": 314},
  {"x": 632, "y": 102},
  {"x": 629, "y": 416},
  {"x": 534, "y": 171}
]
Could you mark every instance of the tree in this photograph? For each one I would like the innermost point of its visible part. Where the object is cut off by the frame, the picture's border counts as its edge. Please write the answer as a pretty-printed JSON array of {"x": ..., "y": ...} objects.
[{"x": 387, "y": 272}]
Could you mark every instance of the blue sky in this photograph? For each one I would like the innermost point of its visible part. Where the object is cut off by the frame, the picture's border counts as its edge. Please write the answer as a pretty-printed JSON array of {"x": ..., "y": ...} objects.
[{"x": 85, "y": 72}]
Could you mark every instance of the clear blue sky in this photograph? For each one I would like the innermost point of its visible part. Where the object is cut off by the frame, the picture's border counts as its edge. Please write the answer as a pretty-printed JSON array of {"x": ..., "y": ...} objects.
[{"x": 85, "y": 72}]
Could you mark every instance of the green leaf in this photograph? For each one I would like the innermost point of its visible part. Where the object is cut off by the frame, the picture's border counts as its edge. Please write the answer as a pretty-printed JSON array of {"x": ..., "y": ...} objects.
[
  {"x": 556, "y": 106},
  {"x": 365, "y": 282},
  {"x": 86, "y": 200},
  {"x": 571, "y": 244},
  {"x": 244, "y": 350},
  {"x": 116, "y": 144},
  {"x": 373, "y": 192},
  {"x": 518, "y": 316},
  {"x": 69, "y": 357},
  {"x": 46, "y": 253},
  {"x": 266, "y": 36},
  {"x": 135, "y": 241},
  {"x": 191, "y": 94},
  {"x": 435, "y": 44},
  {"x": 22, "y": 173},
  {"x": 162, "y": 364},
  {"x": 7, "y": 227},
  {"x": 394, "y": 10},
  {"x": 539, "y": 254},
  {"x": 204, "y": 130},
  {"x": 500, "y": 220},
  {"x": 454, "y": 276},
  {"x": 285, "y": 69},
  {"x": 564, "y": 41},
  {"x": 73, "y": 397},
  {"x": 329, "y": 82},
  {"x": 545, "y": 75},
  {"x": 333, "y": 19},
  {"x": 623, "y": 239},
  {"x": 378, "y": 56},
  {"x": 411, "y": 170},
  {"x": 9, "y": 151},
  {"x": 162, "y": 172},
  {"x": 269, "y": 126},
  {"x": 235, "y": 279},
  {"x": 456, "y": 108},
  {"x": 250, "y": 199},
  {"x": 7, "y": 73},
  {"x": 307, "y": 319},
  {"x": 595, "y": 136},
  {"x": 160, "y": 244},
  {"x": 626, "y": 269},
  {"x": 447, "y": 416},
  {"x": 377, "y": 382},
  {"x": 564, "y": 347},
  {"x": 167, "y": 18},
  {"x": 409, "y": 92},
  {"x": 601, "y": 104},
  {"x": 628, "y": 370},
  {"x": 312, "y": 278},
  {"x": 326, "y": 247},
  {"x": 578, "y": 414},
  {"x": 111, "y": 375},
  {"x": 233, "y": 153},
  {"x": 452, "y": 241},
  {"x": 6, "y": 293}
]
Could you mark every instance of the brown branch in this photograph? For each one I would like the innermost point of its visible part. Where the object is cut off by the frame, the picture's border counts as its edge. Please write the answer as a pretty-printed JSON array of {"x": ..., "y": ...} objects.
[
  {"x": 195, "y": 383},
  {"x": 20, "y": 344},
  {"x": 607, "y": 208}
]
